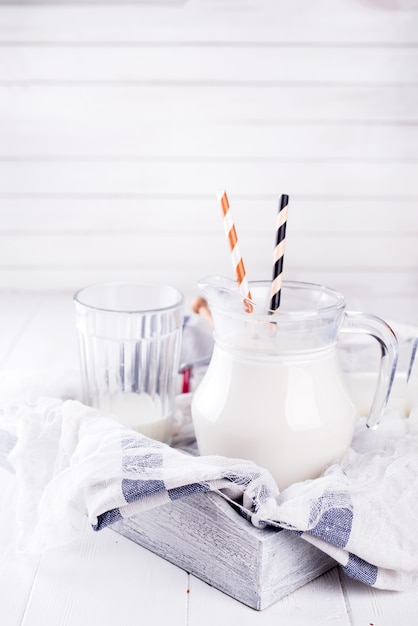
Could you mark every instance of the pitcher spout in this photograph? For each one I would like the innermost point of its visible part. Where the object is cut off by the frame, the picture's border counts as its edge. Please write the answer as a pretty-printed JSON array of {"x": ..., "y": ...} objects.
[{"x": 223, "y": 293}]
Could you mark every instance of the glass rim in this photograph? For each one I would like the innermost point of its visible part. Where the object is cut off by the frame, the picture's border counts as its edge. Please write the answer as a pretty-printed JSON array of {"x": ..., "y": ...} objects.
[{"x": 142, "y": 310}]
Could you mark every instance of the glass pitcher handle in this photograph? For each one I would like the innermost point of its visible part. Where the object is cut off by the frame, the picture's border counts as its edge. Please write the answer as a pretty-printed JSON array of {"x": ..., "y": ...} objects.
[{"x": 371, "y": 325}]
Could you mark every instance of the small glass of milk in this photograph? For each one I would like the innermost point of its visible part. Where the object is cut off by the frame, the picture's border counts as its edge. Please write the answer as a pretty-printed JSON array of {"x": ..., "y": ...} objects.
[{"x": 129, "y": 338}]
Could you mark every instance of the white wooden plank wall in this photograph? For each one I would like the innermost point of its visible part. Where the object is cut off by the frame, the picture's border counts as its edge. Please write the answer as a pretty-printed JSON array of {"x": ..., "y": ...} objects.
[{"x": 120, "y": 122}]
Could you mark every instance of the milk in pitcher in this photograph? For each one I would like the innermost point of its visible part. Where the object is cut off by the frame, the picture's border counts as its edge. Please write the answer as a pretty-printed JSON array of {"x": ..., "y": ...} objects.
[{"x": 278, "y": 412}]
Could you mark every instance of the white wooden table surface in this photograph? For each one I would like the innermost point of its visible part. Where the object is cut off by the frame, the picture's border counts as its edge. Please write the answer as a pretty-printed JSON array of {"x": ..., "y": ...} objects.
[{"x": 105, "y": 579}]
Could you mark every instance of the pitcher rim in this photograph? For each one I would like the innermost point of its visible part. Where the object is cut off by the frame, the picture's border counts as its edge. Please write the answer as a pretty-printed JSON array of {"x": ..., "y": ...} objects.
[{"x": 338, "y": 304}]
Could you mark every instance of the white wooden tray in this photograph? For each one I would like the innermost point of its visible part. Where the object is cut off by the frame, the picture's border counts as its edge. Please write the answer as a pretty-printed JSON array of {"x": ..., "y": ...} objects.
[{"x": 207, "y": 537}]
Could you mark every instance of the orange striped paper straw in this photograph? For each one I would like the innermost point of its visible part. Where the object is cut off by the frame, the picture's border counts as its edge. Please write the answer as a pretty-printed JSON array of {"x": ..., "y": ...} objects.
[
  {"x": 277, "y": 280},
  {"x": 237, "y": 262}
]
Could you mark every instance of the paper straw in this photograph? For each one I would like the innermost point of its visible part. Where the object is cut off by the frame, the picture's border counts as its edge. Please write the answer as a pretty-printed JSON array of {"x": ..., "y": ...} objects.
[
  {"x": 277, "y": 280},
  {"x": 237, "y": 262}
]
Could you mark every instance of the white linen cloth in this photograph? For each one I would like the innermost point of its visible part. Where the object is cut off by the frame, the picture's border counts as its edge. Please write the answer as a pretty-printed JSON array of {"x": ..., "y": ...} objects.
[{"x": 75, "y": 463}]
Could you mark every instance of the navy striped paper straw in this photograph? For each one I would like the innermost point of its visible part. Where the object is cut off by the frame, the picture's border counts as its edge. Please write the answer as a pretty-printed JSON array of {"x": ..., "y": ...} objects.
[{"x": 277, "y": 280}]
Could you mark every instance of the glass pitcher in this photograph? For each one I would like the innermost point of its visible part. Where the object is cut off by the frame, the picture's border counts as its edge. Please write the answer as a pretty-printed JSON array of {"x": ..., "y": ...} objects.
[{"x": 274, "y": 391}]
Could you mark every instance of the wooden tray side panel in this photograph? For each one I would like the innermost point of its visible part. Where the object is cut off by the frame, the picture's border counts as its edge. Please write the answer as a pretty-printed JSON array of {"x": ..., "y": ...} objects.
[
  {"x": 287, "y": 565},
  {"x": 203, "y": 535}
]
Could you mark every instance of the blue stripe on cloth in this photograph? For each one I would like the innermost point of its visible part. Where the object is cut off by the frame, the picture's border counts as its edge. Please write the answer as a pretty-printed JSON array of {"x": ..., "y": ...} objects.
[
  {"x": 107, "y": 518},
  {"x": 137, "y": 462},
  {"x": 331, "y": 518},
  {"x": 360, "y": 570},
  {"x": 263, "y": 493},
  {"x": 243, "y": 479},
  {"x": 134, "y": 490},
  {"x": 187, "y": 490},
  {"x": 138, "y": 441},
  {"x": 334, "y": 527}
]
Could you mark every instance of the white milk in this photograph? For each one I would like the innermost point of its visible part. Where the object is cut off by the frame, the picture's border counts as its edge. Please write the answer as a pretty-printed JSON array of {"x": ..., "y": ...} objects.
[
  {"x": 140, "y": 412},
  {"x": 292, "y": 416}
]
